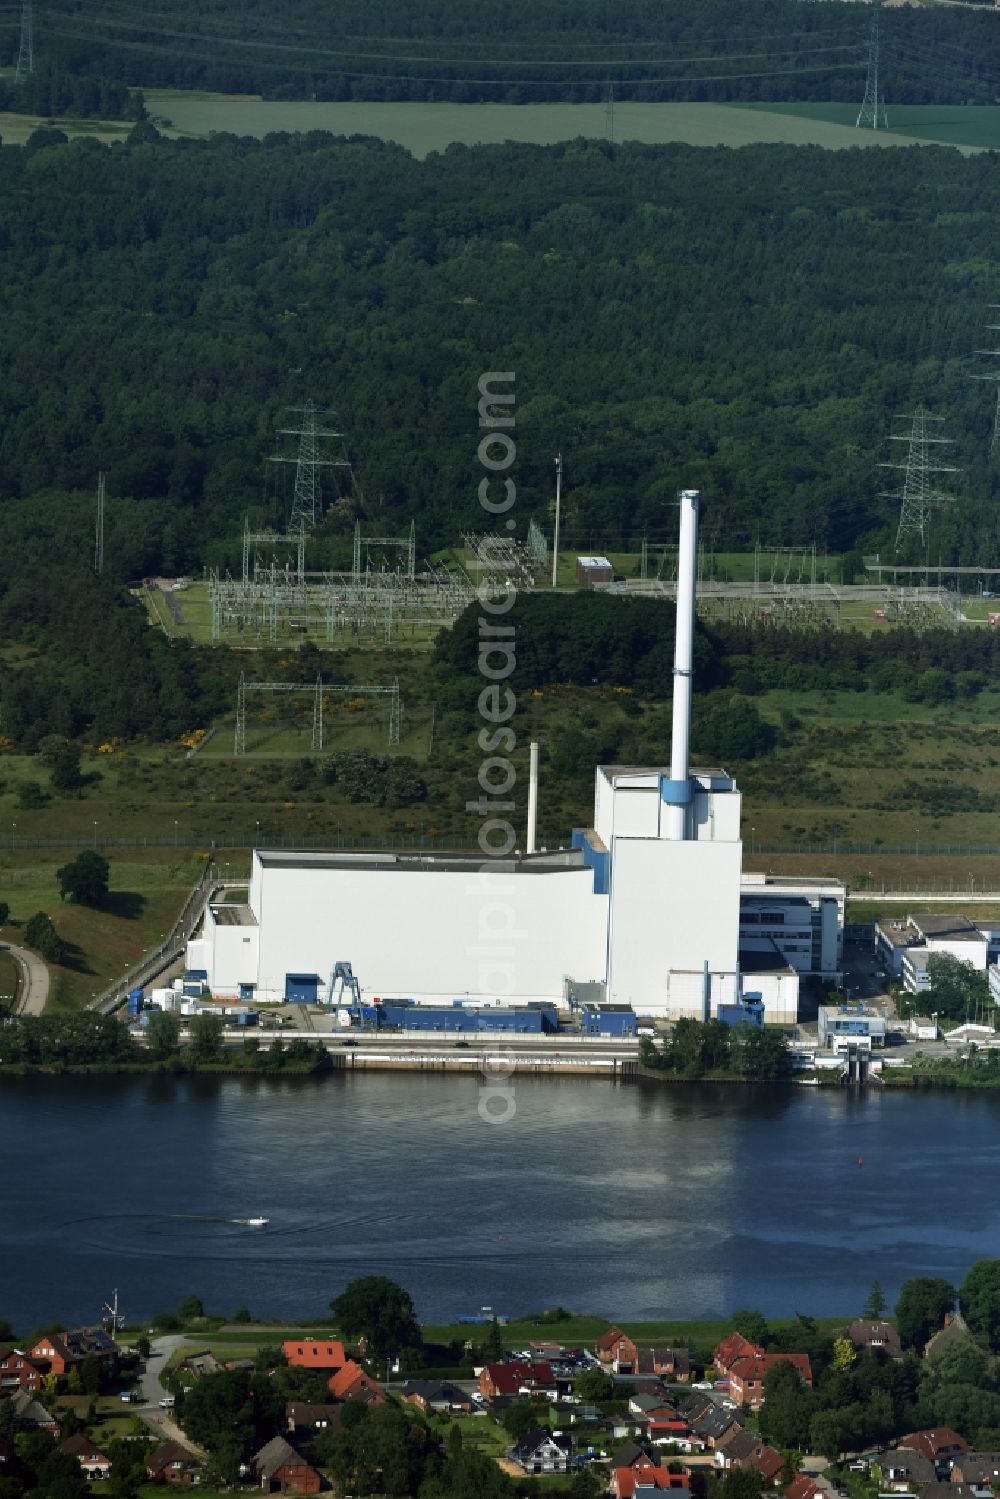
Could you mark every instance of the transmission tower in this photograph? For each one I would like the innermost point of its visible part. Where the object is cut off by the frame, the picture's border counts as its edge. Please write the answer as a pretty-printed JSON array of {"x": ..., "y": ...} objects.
[
  {"x": 307, "y": 465},
  {"x": 994, "y": 376},
  {"x": 609, "y": 113},
  {"x": 26, "y": 51},
  {"x": 872, "y": 111},
  {"x": 918, "y": 496},
  {"x": 99, "y": 532}
]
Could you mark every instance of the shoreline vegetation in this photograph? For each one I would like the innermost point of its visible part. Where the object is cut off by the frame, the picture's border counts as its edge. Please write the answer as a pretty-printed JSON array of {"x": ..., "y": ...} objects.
[{"x": 89, "y": 1044}]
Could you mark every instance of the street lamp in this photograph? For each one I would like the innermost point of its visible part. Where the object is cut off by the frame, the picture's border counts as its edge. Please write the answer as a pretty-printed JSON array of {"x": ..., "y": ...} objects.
[
  {"x": 13, "y": 834},
  {"x": 752, "y": 831},
  {"x": 257, "y": 837},
  {"x": 95, "y": 832},
  {"x": 175, "y": 832}
]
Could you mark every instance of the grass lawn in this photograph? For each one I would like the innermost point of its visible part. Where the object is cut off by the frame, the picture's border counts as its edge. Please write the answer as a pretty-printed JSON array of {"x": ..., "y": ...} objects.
[
  {"x": 145, "y": 901},
  {"x": 10, "y": 976},
  {"x": 972, "y": 125},
  {"x": 423, "y": 128}
]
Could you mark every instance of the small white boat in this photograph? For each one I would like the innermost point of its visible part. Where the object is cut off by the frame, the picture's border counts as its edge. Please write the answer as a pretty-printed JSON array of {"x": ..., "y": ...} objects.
[{"x": 253, "y": 1222}]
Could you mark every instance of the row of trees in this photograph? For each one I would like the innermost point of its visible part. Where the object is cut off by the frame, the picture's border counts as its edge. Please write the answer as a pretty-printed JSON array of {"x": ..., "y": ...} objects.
[{"x": 697, "y": 1047}]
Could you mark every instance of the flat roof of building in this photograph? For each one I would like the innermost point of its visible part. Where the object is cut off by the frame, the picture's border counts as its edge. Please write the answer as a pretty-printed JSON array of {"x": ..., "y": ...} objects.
[
  {"x": 752, "y": 877},
  {"x": 942, "y": 924},
  {"x": 762, "y": 955},
  {"x": 552, "y": 862},
  {"x": 233, "y": 916}
]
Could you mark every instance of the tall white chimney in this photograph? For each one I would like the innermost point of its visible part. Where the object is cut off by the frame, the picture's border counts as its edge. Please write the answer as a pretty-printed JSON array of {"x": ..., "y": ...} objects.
[
  {"x": 677, "y": 791},
  {"x": 532, "y": 795}
]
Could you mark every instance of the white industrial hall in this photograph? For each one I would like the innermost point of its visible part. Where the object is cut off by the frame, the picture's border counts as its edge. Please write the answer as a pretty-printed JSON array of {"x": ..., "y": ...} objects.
[{"x": 649, "y": 908}]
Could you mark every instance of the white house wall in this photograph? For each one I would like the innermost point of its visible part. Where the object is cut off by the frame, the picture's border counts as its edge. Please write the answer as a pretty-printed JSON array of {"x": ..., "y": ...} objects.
[
  {"x": 432, "y": 935},
  {"x": 673, "y": 906}
]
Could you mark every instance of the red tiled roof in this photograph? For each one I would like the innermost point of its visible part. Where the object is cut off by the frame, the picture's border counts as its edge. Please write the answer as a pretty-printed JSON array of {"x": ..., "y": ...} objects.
[
  {"x": 315, "y": 1353},
  {"x": 627, "y": 1478},
  {"x": 733, "y": 1347},
  {"x": 508, "y": 1379},
  {"x": 934, "y": 1441},
  {"x": 608, "y": 1339},
  {"x": 755, "y": 1366},
  {"x": 802, "y": 1487}
]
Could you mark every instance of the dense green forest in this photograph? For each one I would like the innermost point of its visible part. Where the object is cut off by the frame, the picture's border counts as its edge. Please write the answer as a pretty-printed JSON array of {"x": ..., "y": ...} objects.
[
  {"x": 525, "y": 52},
  {"x": 748, "y": 321},
  {"x": 50, "y": 90}
]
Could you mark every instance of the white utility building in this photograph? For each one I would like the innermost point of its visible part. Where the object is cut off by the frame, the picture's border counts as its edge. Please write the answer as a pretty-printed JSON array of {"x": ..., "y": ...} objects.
[{"x": 644, "y": 910}]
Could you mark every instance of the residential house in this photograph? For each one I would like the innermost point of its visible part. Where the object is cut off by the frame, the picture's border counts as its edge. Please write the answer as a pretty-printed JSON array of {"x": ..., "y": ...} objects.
[
  {"x": 740, "y": 1448},
  {"x": 672, "y": 1363},
  {"x": 734, "y": 1347},
  {"x": 281, "y": 1470},
  {"x": 904, "y": 1470},
  {"x": 876, "y": 1337},
  {"x": 630, "y": 1483},
  {"x": 18, "y": 1371},
  {"x": 696, "y": 1405},
  {"x": 747, "y": 1375},
  {"x": 619, "y": 1350},
  {"x": 539, "y": 1451},
  {"x": 325, "y": 1354},
  {"x": 354, "y": 1383},
  {"x": 707, "y": 1430},
  {"x": 91, "y": 1459},
  {"x": 955, "y": 1327},
  {"x": 304, "y": 1420},
  {"x": 803, "y": 1487},
  {"x": 201, "y": 1363},
  {"x": 175, "y": 1464},
  {"x": 942, "y": 1490},
  {"x": 31, "y": 1415},
  {"x": 980, "y": 1470},
  {"x": 59, "y": 1353},
  {"x": 635, "y": 1454},
  {"x": 519, "y": 1377},
  {"x": 938, "y": 1443},
  {"x": 436, "y": 1395}
]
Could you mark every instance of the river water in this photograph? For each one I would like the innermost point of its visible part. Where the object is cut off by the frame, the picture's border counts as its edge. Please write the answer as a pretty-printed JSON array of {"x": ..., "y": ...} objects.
[{"x": 635, "y": 1202}]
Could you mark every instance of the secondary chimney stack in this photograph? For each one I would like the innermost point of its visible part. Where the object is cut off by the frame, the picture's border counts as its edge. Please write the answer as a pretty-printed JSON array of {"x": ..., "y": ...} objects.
[
  {"x": 677, "y": 791},
  {"x": 532, "y": 795}
]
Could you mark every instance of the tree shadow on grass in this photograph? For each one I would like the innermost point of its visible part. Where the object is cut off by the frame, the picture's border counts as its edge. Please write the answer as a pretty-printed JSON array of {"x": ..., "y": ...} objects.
[
  {"x": 75, "y": 958},
  {"x": 128, "y": 904}
]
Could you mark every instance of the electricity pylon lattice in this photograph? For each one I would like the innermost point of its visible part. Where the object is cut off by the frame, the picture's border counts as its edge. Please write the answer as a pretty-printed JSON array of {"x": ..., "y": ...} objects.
[
  {"x": 994, "y": 376},
  {"x": 307, "y": 465},
  {"x": 872, "y": 111},
  {"x": 26, "y": 51},
  {"x": 918, "y": 496}
]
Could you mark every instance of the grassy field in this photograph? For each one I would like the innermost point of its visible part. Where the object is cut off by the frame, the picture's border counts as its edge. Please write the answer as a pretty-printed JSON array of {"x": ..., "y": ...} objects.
[
  {"x": 10, "y": 977},
  {"x": 15, "y": 129},
  {"x": 423, "y": 128},
  {"x": 145, "y": 900},
  {"x": 974, "y": 125}
]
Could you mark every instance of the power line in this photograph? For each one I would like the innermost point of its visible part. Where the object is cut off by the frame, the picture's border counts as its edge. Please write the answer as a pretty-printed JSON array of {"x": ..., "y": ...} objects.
[
  {"x": 26, "y": 50},
  {"x": 918, "y": 496},
  {"x": 872, "y": 111}
]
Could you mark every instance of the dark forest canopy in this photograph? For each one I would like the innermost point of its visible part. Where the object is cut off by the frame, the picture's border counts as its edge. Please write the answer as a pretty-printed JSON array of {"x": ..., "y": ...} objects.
[
  {"x": 520, "y": 51},
  {"x": 748, "y": 321}
]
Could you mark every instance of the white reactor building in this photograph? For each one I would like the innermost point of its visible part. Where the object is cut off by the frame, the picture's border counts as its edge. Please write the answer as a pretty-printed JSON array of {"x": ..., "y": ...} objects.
[{"x": 649, "y": 908}]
